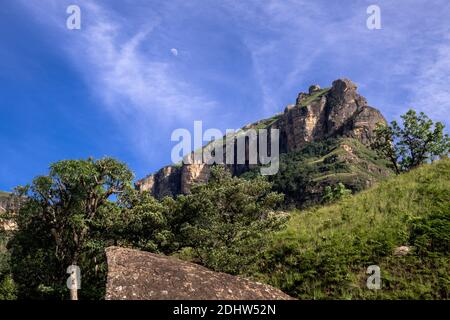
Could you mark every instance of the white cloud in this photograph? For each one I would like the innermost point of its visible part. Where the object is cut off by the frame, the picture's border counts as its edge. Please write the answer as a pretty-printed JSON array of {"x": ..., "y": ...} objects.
[
  {"x": 409, "y": 53},
  {"x": 141, "y": 91},
  {"x": 285, "y": 40},
  {"x": 296, "y": 35},
  {"x": 430, "y": 88},
  {"x": 123, "y": 68},
  {"x": 144, "y": 94}
]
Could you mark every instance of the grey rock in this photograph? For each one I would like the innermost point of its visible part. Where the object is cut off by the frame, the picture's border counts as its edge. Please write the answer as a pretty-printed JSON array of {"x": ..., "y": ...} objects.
[
  {"x": 402, "y": 251},
  {"x": 314, "y": 88},
  {"x": 138, "y": 275}
]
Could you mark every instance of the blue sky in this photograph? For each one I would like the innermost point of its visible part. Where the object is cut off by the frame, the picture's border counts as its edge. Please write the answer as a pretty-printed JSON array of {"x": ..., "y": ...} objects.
[{"x": 116, "y": 87}]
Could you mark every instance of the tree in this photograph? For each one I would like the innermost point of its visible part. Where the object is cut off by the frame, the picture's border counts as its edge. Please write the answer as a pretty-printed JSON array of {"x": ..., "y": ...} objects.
[
  {"x": 414, "y": 143},
  {"x": 333, "y": 194},
  {"x": 145, "y": 223},
  {"x": 226, "y": 221},
  {"x": 64, "y": 222}
]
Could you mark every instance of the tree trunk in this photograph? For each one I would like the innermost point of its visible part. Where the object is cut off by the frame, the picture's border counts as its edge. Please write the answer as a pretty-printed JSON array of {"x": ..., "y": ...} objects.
[
  {"x": 74, "y": 294},
  {"x": 73, "y": 280}
]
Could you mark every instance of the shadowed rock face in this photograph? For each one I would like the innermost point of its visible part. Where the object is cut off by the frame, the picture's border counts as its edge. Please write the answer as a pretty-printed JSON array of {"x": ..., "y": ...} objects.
[
  {"x": 138, "y": 275},
  {"x": 319, "y": 114},
  {"x": 5, "y": 201},
  {"x": 166, "y": 182}
]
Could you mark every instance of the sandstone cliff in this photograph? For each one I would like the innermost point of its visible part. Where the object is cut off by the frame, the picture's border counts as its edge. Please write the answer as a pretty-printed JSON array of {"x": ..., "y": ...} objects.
[
  {"x": 9, "y": 205},
  {"x": 4, "y": 201},
  {"x": 316, "y": 115},
  {"x": 138, "y": 275}
]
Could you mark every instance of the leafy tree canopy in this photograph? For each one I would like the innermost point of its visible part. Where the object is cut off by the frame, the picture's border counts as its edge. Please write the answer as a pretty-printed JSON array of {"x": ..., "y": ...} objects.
[
  {"x": 228, "y": 220},
  {"x": 417, "y": 141},
  {"x": 64, "y": 222}
]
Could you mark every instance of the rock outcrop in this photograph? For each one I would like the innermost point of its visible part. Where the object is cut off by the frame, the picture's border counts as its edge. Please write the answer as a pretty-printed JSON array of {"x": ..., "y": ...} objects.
[
  {"x": 338, "y": 111},
  {"x": 9, "y": 205},
  {"x": 4, "y": 201},
  {"x": 166, "y": 182},
  {"x": 317, "y": 115},
  {"x": 9, "y": 202},
  {"x": 138, "y": 275}
]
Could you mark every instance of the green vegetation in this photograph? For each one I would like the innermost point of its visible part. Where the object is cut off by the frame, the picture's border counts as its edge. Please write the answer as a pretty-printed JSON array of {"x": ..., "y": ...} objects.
[
  {"x": 7, "y": 285},
  {"x": 231, "y": 224},
  {"x": 70, "y": 216},
  {"x": 264, "y": 124},
  {"x": 228, "y": 225},
  {"x": 304, "y": 175},
  {"x": 226, "y": 221},
  {"x": 64, "y": 222},
  {"x": 413, "y": 144},
  {"x": 335, "y": 193},
  {"x": 314, "y": 97},
  {"x": 324, "y": 252}
]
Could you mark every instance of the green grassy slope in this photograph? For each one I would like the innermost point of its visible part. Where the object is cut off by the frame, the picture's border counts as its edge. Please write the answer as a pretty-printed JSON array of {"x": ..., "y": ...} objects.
[
  {"x": 324, "y": 252},
  {"x": 304, "y": 174}
]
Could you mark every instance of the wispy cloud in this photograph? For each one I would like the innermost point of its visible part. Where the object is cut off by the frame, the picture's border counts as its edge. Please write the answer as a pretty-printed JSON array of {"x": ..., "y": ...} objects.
[
  {"x": 124, "y": 72},
  {"x": 308, "y": 40},
  {"x": 291, "y": 43},
  {"x": 140, "y": 90},
  {"x": 431, "y": 89},
  {"x": 296, "y": 36}
]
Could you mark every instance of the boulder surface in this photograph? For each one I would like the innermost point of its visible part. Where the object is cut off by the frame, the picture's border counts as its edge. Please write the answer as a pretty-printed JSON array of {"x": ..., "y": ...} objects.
[{"x": 138, "y": 275}]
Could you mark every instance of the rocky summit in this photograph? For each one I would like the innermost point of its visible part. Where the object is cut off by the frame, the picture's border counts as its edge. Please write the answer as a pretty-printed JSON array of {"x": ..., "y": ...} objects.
[
  {"x": 138, "y": 275},
  {"x": 319, "y": 114}
]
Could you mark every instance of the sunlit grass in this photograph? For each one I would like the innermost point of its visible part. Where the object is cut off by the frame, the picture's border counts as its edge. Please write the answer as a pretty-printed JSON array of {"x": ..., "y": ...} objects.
[{"x": 324, "y": 251}]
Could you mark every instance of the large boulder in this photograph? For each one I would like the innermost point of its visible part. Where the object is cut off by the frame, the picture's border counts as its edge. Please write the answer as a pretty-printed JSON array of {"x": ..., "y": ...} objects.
[{"x": 138, "y": 275}]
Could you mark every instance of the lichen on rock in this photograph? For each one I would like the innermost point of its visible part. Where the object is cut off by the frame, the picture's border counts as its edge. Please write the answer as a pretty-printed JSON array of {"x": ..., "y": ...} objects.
[{"x": 139, "y": 275}]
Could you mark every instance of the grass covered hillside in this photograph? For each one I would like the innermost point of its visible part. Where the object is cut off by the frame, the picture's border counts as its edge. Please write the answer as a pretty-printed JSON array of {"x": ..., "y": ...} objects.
[
  {"x": 304, "y": 174},
  {"x": 324, "y": 252}
]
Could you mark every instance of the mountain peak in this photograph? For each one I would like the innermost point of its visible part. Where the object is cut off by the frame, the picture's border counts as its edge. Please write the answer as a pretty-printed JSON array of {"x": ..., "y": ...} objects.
[{"x": 338, "y": 111}]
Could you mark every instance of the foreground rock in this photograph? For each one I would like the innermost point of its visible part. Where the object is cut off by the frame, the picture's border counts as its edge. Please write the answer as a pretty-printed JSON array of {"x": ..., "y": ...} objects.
[
  {"x": 402, "y": 251},
  {"x": 138, "y": 275}
]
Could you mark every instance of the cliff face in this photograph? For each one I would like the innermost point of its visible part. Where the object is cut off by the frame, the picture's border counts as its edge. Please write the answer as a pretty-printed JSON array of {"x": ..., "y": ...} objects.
[
  {"x": 9, "y": 205},
  {"x": 165, "y": 182},
  {"x": 4, "y": 201},
  {"x": 322, "y": 113},
  {"x": 316, "y": 115}
]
